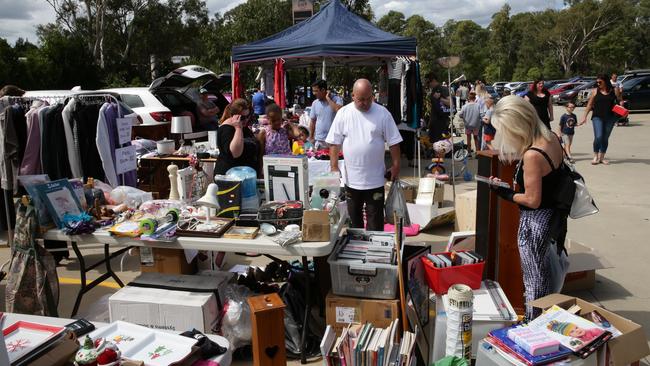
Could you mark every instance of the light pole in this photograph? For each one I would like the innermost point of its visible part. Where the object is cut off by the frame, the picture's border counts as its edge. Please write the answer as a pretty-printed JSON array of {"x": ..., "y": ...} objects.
[{"x": 448, "y": 62}]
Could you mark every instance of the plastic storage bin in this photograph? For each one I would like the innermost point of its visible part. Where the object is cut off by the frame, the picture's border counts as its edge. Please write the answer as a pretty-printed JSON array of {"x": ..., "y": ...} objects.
[
  {"x": 440, "y": 279},
  {"x": 366, "y": 280}
]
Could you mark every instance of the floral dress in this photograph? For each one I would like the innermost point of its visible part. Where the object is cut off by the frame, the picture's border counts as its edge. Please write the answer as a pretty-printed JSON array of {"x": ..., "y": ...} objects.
[{"x": 277, "y": 141}]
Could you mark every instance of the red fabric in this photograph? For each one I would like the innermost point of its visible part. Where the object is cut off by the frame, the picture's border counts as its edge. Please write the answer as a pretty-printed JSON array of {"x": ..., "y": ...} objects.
[
  {"x": 237, "y": 91},
  {"x": 278, "y": 83}
]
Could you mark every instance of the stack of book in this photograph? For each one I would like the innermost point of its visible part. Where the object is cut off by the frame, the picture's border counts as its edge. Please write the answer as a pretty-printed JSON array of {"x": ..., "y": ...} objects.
[
  {"x": 380, "y": 250},
  {"x": 365, "y": 345},
  {"x": 443, "y": 260},
  {"x": 553, "y": 336}
]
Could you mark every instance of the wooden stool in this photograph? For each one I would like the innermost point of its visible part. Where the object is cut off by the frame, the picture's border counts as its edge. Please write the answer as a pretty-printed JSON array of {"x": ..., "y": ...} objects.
[{"x": 267, "y": 316}]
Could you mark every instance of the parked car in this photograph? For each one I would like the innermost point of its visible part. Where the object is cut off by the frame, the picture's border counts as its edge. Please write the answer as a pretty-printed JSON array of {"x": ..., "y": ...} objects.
[
  {"x": 493, "y": 92},
  {"x": 637, "y": 92},
  {"x": 572, "y": 94},
  {"x": 513, "y": 85},
  {"x": 498, "y": 86},
  {"x": 522, "y": 89},
  {"x": 559, "y": 88},
  {"x": 145, "y": 104},
  {"x": 175, "y": 94}
]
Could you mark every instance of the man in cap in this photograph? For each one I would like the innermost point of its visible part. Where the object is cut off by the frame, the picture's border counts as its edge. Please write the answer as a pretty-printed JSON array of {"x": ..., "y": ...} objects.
[{"x": 207, "y": 112}]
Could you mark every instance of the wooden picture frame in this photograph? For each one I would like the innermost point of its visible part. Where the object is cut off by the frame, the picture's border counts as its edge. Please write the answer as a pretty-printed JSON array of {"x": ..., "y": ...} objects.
[{"x": 241, "y": 232}]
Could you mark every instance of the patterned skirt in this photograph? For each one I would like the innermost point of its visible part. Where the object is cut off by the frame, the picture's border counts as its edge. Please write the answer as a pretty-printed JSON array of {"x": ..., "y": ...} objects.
[{"x": 533, "y": 238}]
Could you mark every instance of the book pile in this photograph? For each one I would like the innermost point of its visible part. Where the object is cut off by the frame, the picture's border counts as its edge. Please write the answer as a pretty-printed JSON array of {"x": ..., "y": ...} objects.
[
  {"x": 368, "y": 249},
  {"x": 365, "y": 345},
  {"x": 443, "y": 260},
  {"x": 553, "y": 336}
]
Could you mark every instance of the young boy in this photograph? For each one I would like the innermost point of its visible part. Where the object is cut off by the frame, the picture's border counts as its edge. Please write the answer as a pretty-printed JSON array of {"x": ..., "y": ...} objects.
[
  {"x": 471, "y": 115},
  {"x": 567, "y": 129}
]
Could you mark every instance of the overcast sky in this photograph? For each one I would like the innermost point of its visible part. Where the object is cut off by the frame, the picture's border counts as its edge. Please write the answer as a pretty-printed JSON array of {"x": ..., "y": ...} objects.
[{"x": 18, "y": 18}]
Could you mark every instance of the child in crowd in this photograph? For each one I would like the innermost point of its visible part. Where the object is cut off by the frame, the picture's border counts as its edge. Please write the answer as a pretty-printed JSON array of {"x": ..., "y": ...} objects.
[
  {"x": 488, "y": 130},
  {"x": 567, "y": 129},
  {"x": 471, "y": 115},
  {"x": 301, "y": 140}
]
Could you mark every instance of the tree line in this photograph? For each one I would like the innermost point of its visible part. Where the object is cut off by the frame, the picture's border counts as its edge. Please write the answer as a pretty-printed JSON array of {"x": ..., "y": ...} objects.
[{"x": 112, "y": 43}]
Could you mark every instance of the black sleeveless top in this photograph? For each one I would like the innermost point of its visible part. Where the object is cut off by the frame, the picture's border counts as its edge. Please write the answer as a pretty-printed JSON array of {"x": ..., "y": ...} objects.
[
  {"x": 541, "y": 106},
  {"x": 549, "y": 181},
  {"x": 603, "y": 105}
]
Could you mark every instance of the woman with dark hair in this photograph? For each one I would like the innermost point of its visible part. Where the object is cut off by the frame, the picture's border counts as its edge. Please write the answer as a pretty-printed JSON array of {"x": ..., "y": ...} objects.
[
  {"x": 601, "y": 101},
  {"x": 540, "y": 98},
  {"x": 237, "y": 143}
]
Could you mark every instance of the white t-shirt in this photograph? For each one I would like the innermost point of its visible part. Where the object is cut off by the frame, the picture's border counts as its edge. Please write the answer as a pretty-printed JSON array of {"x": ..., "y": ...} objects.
[{"x": 363, "y": 136}]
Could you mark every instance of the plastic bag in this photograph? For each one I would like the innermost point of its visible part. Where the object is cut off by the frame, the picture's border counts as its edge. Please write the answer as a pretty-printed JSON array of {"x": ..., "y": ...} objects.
[
  {"x": 236, "y": 316},
  {"x": 132, "y": 197},
  {"x": 558, "y": 265},
  {"x": 395, "y": 202}
]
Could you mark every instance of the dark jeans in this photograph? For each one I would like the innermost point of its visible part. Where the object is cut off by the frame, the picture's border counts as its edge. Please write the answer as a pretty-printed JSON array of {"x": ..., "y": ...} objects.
[
  {"x": 374, "y": 202},
  {"x": 408, "y": 144},
  {"x": 602, "y": 131}
]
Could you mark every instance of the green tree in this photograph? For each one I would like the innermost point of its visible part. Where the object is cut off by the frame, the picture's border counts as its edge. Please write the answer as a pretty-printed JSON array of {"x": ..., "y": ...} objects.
[
  {"x": 393, "y": 22},
  {"x": 501, "y": 47},
  {"x": 469, "y": 41}
]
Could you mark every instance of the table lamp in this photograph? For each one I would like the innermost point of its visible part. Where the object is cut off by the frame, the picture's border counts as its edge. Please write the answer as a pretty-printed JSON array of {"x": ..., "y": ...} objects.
[
  {"x": 209, "y": 200},
  {"x": 181, "y": 125}
]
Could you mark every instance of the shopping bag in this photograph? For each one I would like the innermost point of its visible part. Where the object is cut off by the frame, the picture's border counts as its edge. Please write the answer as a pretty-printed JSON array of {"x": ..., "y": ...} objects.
[
  {"x": 32, "y": 282},
  {"x": 558, "y": 265},
  {"x": 395, "y": 203}
]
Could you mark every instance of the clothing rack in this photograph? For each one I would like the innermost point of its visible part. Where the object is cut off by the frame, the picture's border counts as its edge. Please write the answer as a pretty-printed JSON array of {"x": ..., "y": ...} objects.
[{"x": 26, "y": 102}]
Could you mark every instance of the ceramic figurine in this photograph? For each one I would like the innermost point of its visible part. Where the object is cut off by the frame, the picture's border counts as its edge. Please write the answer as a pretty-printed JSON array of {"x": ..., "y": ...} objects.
[
  {"x": 87, "y": 355},
  {"x": 173, "y": 182}
]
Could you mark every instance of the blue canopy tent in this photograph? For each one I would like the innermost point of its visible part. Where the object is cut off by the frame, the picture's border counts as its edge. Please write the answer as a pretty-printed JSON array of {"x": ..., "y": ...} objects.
[
  {"x": 333, "y": 33},
  {"x": 334, "y": 37}
]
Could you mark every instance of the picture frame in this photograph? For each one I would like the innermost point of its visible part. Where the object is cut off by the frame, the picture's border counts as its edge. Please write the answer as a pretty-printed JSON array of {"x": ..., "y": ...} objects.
[
  {"x": 60, "y": 199},
  {"x": 241, "y": 232},
  {"x": 30, "y": 182},
  {"x": 417, "y": 287}
]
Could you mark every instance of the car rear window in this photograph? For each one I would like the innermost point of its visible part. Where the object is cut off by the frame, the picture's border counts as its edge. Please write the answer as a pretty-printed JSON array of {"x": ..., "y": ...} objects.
[{"x": 132, "y": 100}]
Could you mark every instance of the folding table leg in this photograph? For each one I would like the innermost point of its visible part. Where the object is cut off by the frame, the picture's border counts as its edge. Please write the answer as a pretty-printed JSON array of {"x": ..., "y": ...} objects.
[
  {"x": 82, "y": 278},
  {"x": 305, "y": 323}
]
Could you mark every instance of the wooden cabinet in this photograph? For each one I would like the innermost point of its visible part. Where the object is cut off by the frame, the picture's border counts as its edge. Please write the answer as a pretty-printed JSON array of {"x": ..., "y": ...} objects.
[{"x": 497, "y": 224}]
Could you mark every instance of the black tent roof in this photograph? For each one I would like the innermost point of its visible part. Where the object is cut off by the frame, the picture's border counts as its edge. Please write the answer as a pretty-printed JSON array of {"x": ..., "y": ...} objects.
[{"x": 332, "y": 32}]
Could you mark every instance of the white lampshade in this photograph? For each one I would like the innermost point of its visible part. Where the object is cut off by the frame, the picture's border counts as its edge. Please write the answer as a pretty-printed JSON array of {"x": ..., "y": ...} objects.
[
  {"x": 209, "y": 199},
  {"x": 181, "y": 124}
]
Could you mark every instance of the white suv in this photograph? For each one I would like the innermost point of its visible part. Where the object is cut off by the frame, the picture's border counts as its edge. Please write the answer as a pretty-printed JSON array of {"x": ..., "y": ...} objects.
[{"x": 145, "y": 104}]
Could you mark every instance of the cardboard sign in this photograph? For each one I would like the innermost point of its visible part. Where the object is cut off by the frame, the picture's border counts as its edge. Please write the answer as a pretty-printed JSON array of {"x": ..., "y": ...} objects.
[
  {"x": 124, "y": 130},
  {"x": 125, "y": 159}
]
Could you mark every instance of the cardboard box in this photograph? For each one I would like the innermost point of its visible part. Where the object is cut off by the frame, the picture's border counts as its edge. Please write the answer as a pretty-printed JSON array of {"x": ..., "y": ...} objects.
[
  {"x": 583, "y": 263},
  {"x": 207, "y": 282},
  {"x": 163, "y": 260},
  {"x": 59, "y": 354},
  {"x": 340, "y": 311},
  {"x": 170, "y": 310},
  {"x": 209, "y": 260},
  {"x": 315, "y": 225},
  {"x": 466, "y": 211},
  {"x": 627, "y": 348}
]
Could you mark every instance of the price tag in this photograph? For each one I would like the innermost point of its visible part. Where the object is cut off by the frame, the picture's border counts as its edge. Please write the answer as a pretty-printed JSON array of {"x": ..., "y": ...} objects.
[
  {"x": 125, "y": 159},
  {"x": 124, "y": 130},
  {"x": 344, "y": 315}
]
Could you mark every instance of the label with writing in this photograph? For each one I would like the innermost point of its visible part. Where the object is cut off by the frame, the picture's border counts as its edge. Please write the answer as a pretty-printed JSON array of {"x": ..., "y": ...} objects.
[
  {"x": 344, "y": 315},
  {"x": 125, "y": 159},
  {"x": 124, "y": 130}
]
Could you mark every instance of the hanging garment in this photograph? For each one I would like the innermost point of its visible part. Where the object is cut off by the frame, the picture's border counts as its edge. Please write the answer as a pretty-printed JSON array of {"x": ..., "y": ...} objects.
[
  {"x": 278, "y": 87},
  {"x": 55, "y": 153},
  {"x": 41, "y": 119},
  {"x": 237, "y": 91},
  {"x": 8, "y": 147},
  {"x": 107, "y": 142},
  {"x": 86, "y": 118},
  {"x": 403, "y": 94},
  {"x": 414, "y": 97},
  {"x": 32, "y": 282},
  {"x": 31, "y": 163},
  {"x": 72, "y": 144},
  {"x": 20, "y": 125}
]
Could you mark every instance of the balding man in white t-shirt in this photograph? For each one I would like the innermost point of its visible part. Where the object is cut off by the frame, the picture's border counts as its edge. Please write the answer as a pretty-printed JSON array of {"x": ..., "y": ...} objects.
[{"x": 360, "y": 130}]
